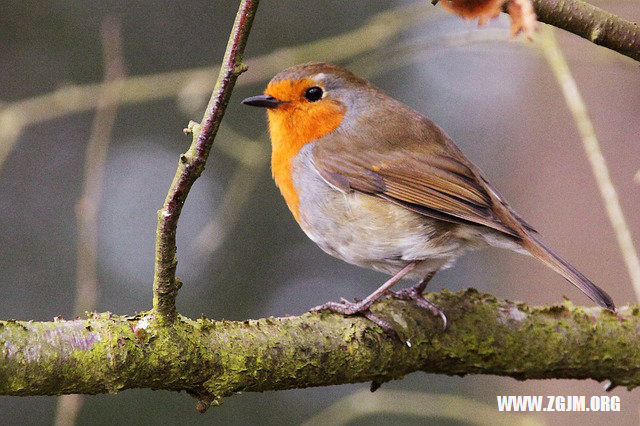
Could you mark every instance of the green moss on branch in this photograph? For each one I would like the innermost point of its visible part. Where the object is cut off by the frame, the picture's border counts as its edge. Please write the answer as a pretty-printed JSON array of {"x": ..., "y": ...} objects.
[{"x": 214, "y": 359}]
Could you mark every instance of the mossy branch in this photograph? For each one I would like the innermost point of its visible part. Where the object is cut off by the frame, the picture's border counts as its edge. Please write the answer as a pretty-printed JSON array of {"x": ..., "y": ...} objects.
[
  {"x": 192, "y": 163},
  {"x": 215, "y": 359},
  {"x": 592, "y": 23}
]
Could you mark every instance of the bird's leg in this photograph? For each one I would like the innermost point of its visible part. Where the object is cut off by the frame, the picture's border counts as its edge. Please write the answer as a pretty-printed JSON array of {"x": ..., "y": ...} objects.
[
  {"x": 349, "y": 308},
  {"x": 415, "y": 293}
]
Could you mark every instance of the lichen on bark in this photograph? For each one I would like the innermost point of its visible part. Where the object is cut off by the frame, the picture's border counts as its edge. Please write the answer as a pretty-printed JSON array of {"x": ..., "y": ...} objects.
[{"x": 110, "y": 353}]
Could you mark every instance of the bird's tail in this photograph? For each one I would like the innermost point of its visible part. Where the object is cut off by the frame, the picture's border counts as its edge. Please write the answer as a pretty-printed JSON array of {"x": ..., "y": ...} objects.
[{"x": 571, "y": 274}]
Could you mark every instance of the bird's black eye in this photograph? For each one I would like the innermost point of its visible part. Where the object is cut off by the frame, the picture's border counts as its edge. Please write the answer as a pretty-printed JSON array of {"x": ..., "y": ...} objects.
[{"x": 313, "y": 94}]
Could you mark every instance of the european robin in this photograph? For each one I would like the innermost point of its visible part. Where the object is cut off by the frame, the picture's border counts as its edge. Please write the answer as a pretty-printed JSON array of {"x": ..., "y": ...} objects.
[{"x": 378, "y": 185}]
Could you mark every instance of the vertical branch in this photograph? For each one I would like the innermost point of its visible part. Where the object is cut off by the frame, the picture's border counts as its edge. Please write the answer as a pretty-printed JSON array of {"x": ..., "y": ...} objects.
[
  {"x": 87, "y": 207},
  {"x": 192, "y": 163},
  {"x": 558, "y": 64}
]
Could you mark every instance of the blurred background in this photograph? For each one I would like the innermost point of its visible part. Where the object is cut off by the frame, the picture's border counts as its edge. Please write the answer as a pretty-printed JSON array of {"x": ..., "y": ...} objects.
[{"x": 241, "y": 254}]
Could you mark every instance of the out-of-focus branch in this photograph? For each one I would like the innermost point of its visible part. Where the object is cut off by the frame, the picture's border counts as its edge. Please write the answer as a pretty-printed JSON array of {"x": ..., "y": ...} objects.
[
  {"x": 215, "y": 359},
  {"x": 192, "y": 163},
  {"x": 592, "y": 23},
  {"x": 251, "y": 156},
  {"x": 412, "y": 50},
  {"x": 87, "y": 288},
  {"x": 578, "y": 108},
  {"x": 95, "y": 157}
]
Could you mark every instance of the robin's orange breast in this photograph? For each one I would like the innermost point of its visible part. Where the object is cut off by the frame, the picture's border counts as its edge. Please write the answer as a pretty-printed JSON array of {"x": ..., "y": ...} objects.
[{"x": 291, "y": 127}]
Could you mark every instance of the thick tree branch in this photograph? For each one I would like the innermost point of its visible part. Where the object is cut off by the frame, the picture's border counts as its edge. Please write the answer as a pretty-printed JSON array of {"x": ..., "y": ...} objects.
[
  {"x": 596, "y": 25},
  {"x": 191, "y": 164},
  {"x": 214, "y": 359}
]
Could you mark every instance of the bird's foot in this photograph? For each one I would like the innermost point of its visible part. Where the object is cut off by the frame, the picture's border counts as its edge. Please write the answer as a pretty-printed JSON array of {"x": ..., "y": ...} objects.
[
  {"x": 415, "y": 294},
  {"x": 345, "y": 307}
]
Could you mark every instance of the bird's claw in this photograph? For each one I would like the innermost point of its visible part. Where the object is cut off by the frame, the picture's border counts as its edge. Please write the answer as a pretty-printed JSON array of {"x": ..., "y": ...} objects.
[
  {"x": 348, "y": 308},
  {"x": 413, "y": 294},
  {"x": 342, "y": 307}
]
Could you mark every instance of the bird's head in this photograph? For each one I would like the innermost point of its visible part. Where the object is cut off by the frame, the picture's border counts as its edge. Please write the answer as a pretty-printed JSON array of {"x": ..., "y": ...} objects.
[{"x": 308, "y": 101}]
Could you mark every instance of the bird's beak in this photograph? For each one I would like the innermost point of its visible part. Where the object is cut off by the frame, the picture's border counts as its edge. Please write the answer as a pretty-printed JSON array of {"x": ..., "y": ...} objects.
[{"x": 264, "y": 101}]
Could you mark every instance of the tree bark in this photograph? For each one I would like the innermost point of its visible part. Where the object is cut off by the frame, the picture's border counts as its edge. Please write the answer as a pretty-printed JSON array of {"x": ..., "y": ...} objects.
[
  {"x": 215, "y": 359},
  {"x": 592, "y": 23}
]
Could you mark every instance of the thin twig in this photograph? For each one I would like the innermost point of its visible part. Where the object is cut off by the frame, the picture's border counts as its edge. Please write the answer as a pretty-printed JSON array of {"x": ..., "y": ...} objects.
[
  {"x": 578, "y": 108},
  {"x": 192, "y": 163},
  {"x": 68, "y": 406}
]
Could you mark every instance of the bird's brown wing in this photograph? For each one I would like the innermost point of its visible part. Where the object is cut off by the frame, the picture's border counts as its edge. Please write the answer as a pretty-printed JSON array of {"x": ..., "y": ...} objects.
[{"x": 433, "y": 179}]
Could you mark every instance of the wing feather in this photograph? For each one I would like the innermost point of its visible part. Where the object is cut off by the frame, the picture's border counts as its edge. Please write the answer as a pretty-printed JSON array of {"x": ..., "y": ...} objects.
[{"x": 434, "y": 180}]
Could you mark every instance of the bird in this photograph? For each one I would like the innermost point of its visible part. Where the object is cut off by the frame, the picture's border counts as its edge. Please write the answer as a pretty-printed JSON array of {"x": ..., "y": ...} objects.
[{"x": 376, "y": 184}]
